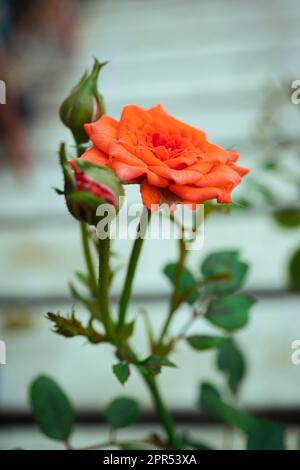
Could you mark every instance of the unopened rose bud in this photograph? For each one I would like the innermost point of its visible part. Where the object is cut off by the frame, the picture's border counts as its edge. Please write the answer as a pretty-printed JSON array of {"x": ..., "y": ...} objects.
[
  {"x": 87, "y": 186},
  {"x": 83, "y": 105}
]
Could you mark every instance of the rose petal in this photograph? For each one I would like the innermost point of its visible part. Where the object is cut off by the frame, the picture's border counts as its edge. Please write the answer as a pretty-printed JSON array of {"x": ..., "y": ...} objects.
[
  {"x": 185, "y": 129},
  {"x": 157, "y": 180},
  {"x": 132, "y": 118},
  {"x": 118, "y": 152},
  {"x": 240, "y": 170},
  {"x": 192, "y": 194},
  {"x": 102, "y": 132},
  {"x": 95, "y": 155},
  {"x": 150, "y": 194},
  {"x": 214, "y": 153},
  {"x": 178, "y": 163},
  {"x": 177, "y": 176},
  {"x": 232, "y": 155},
  {"x": 220, "y": 177},
  {"x": 128, "y": 173},
  {"x": 148, "y": 157}
]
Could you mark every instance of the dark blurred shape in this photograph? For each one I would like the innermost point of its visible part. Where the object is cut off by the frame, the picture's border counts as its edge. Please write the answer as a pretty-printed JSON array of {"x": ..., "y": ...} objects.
[{"x": 30, "y": 31}]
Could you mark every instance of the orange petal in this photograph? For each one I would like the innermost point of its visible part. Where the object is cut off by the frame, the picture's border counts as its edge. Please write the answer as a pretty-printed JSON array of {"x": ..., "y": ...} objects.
[
  {"x": 148, "y": 157},
  {"x": 129, "y": 142},
  {"x": 132, "y": 117},
  {"x": 157, "y": 180},
  {"x": 203, "y": 167},
  {"x": 240, "y": 169},
  {"x": 150, "y": 195},
  {"x": 119, "y": 153},
  {"x": 172, "y": 123},
  {"x": 102, "y": 132},
  {"x": 127, "y": 173},
  {"x": 224, "y": 197},
  {"x": 177, "y": 176},
  {"x": 95, "y": 155},
  {"x": 214, "y": 153},
  {"x": 233, "y": 156},
  {"x": 157, "y": 111},
  {"x": 192, "y": 194},
  {"x": 178, "y": 163},
  {"x": 221, "y": 177}
]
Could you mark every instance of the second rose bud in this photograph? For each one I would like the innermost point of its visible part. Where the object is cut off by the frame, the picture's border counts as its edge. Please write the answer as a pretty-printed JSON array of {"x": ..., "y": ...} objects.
[{"x": 86, "y": 186}]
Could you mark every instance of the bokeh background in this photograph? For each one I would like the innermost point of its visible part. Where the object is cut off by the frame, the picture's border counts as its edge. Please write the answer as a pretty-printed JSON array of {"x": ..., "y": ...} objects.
[{"x": 224, "y": 66}]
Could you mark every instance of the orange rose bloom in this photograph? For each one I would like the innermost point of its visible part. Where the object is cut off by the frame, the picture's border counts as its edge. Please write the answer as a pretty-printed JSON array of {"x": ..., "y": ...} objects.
[{"x": 172, "y": 161}]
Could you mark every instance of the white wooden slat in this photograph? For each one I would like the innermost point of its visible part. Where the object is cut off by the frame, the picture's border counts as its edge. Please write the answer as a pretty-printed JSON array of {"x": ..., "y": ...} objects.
[
  {"x": 128, "y": 15},
  {"x": 143, "y": 40},
  {"x": 32, "y": 438},
  {"x": 85, "y": 370},
  {"x": 173, "y": 26},
  {"x": 38, "y": 260},
  {"x": 117, "y": 84},
  {"x": 217, "y": 10}
]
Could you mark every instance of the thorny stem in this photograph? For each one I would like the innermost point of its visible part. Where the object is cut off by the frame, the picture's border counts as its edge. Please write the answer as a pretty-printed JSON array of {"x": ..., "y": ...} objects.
[
  {"x": 103, "y": 291},
  {"x": 162, "y": 411}
]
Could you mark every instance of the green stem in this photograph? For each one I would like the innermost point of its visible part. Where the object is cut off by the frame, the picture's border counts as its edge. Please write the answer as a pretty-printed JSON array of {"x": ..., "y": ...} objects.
[
  {"x": 134, "y": 257},
  {"x": 80, "y": 148},
  {"x": 88, "y": 258},
  {"x": 103, "y": 287},
  {"x": 162, "y": 411},
  {"x": 174, "y": 299}
]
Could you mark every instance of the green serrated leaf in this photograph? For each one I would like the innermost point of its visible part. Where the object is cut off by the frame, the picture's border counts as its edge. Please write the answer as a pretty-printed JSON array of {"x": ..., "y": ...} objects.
[
  {"x": 204, "y": 342},
  {"x": 188, "y": 283},
  {"x": 230, "y": 312},
  {"x": 121, "y": 371},
  {"x": 223, "y": 272},
  {"x": 230, "y": 360},
  {"x": 261, "y": 434},
  {"x": 266, "y": 435},
  {"x": 122, "y": 412},
  {"x": 51, "y": 408},
  {"x": 211, "y": 402}
]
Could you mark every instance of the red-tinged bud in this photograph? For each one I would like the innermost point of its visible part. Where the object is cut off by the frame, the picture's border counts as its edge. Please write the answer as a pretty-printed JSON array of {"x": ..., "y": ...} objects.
[{"x": 87, "y": 186}]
